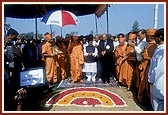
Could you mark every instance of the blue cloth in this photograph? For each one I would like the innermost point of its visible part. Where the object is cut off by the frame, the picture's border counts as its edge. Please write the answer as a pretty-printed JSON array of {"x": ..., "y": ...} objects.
[
  {"x": 10, "y": 52},
  {"x": 90, "y": 49},
  {"x": 156, "y": 76},
  {"x": 90, "y": 58}
]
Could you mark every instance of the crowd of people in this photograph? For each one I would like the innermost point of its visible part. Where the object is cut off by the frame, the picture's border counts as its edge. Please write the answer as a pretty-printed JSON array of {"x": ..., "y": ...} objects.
[{"x": 135, "y": 60}]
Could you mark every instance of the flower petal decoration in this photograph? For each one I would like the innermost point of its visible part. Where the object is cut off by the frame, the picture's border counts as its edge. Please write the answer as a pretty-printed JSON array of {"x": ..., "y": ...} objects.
[{"x": 87, "y": 96}]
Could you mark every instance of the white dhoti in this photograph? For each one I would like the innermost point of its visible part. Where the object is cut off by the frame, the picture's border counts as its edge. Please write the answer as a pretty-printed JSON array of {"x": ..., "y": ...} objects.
[{"x": 91, "y": 70}]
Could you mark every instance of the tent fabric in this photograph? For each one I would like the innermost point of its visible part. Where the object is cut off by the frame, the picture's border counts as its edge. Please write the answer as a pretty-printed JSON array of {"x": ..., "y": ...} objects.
[
  {"x": 39, "y": 10},
  {"x": 101, "y": 9}
]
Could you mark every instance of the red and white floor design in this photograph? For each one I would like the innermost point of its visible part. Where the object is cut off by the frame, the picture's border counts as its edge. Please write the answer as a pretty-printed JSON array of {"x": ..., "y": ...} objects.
[{"x": 86, "y": 96}]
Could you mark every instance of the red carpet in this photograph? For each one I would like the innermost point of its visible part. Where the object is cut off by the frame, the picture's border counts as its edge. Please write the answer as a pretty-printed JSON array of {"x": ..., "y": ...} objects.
[{"x": 87, "y": 96}]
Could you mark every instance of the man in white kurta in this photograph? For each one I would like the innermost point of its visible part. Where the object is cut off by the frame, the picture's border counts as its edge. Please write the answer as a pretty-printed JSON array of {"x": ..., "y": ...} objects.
[
  {"x": 96, "y": 41},
  {"x": 90, "y": 65},
  {"x": 156, "y": 78}
]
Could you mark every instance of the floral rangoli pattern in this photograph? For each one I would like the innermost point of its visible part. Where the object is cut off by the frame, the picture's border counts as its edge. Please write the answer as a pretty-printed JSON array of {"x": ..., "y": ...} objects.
[{"x": 87, "y": 96}]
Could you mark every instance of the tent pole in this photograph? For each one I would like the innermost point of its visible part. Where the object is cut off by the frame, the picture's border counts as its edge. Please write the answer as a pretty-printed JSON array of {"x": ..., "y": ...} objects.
[
  {"x": 5, "y": 30},
  {"x": 61, "y": 26},
  {"x": 96, "y": 24},
  {"x": 51, "y": 29},
  {"x": 107, "y": 19},
  {"x": 155, "y": 16},
  {"x": 61, "y": 32},
  {"x": 36, "y": 38},
  {"x": 36, "y": 27}
]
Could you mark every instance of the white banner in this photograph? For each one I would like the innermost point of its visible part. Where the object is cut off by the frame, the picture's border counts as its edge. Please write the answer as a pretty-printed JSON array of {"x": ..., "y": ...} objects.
[{"x": 33, "y": 77}]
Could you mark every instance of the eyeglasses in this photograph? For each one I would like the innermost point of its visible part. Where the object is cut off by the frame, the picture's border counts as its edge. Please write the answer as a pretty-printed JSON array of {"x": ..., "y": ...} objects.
[
  {"x": 130, "y": 39},
  {"x": 138, "y": 35}
]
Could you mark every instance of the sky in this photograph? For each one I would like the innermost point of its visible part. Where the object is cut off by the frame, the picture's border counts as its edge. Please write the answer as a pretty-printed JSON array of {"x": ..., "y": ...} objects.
[{"x": 121, "y": 19}]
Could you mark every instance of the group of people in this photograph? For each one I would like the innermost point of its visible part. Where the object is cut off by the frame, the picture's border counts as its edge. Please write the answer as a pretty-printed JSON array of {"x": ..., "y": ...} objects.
[
  {"x": 136, "y": 60},
  {"x": 83, "y": 56},
  {"x": 138, "y": 65},
  {"x": 19, "y": 54}
]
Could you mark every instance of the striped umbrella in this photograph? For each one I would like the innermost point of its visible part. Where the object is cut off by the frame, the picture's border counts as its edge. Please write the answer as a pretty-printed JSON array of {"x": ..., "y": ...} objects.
[{"x": 60, "y": 18}]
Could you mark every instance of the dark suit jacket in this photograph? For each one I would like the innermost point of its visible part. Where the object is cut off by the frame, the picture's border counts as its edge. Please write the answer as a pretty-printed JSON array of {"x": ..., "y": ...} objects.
[{"x": 101, "y": 47}]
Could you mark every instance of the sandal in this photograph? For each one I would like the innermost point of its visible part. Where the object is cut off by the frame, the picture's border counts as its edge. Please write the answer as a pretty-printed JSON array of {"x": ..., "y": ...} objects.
[
  {"x": 81, "y": 81},
  {"x": 72, "y": 82}
]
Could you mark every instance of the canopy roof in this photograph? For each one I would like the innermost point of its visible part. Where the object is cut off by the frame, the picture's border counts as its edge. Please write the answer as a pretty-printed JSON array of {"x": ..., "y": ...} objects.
[{"x": 39, "y": 10}]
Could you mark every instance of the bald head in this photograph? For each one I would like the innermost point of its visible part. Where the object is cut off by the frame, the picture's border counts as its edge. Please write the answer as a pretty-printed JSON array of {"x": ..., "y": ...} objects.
[{"x": 104, "y": 36}]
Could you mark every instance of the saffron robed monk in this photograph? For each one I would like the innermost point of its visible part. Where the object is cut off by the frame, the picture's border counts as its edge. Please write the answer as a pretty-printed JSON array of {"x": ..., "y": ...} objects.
[
  {"x": 145, "y": 63},
  {"x": 76, "y": 56},
  {"x": 132, "y": 62},
  {"x": 61, "y": 57},
  {"x": 129, "y": 61},
  {"x": 49, "y": 58},
  {"x": 119, "y": 54},
  {"x": 139, "y": 47}
]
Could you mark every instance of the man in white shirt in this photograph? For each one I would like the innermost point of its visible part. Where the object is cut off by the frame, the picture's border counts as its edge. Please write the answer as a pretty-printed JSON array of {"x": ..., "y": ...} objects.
[
  {"x": 156, "y": 73},
  {"x": 96, "y": 41},
  {"x": 96, "y": 44},
  {"x": 84, "y": 41},
  {"x": 142, "y": 43}
]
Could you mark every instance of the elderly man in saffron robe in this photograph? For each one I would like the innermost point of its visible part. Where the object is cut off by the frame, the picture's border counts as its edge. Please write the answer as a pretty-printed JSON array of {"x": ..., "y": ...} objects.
[
  {"x": 49, "y": 59},
  {"x": 129, "y": 60},
  {"x": 75, "y": 50},
  {"x": 145, "y": 63},
  {"x": 61, "y": 57}
]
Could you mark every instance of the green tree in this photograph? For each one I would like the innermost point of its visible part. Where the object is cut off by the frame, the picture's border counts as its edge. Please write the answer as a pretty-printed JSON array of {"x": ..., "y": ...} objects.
[
  {"x": 67, "y": 35},
  {"x": 91, "y": 32},
  {"x": 73, "y": 33},
  {"x": 135, "y": 26},
  {"x": 31, "y": 35}
]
